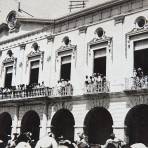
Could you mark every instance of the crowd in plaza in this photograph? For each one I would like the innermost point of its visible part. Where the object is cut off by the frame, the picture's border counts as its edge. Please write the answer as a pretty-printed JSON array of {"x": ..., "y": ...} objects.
[
  {"x": 25, "y": 140},
  {"x": 96, "y": 83}
]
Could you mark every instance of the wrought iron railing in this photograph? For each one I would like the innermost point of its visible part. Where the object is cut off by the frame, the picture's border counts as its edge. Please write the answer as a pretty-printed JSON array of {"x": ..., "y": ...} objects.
[
  {"x": 100, "y": 87},
  {"x": 135, "y": 83},
  {"x": 36, "y": 92}
]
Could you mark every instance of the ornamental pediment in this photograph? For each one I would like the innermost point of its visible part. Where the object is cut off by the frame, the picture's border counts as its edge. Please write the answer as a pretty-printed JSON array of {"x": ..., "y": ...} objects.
[
  {"x": 66, "y": 48},
  {"x": 35, "y": 54},
  {"x": 136, "y": 31},
  {"x": 9, "y": 60},
  {"x": 95, "y": 41}
]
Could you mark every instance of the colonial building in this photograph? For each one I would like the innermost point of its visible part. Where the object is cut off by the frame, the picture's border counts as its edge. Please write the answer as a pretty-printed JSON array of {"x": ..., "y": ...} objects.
[{"x": 83, "y": 72}]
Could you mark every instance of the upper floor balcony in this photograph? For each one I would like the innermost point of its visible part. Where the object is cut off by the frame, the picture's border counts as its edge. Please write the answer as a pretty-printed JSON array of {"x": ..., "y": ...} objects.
[
  {"x": 136, "y": 83},
  {"x": 33, "y": 91},
  {"x": 96, "y": 84}
]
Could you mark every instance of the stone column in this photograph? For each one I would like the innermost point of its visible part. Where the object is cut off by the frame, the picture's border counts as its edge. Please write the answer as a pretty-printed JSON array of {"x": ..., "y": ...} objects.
[
  {"x": 43, "y": 130},
  {"x": 15, "y": 121}
]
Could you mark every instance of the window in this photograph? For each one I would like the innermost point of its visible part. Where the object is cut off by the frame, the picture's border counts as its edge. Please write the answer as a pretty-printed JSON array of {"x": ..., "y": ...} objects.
[
  {"x": 141, "y": 60},
  {"x": 100, "y": 61},
  {"x": 8, "y": 76},
  {"x": 66, "y": 67},
  {"x": 34, "y": 72}
]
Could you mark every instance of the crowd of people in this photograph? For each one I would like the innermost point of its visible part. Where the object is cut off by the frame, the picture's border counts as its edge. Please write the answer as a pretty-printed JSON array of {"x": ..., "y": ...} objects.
[
  {"x": 63, "y": 87},
  {"x": 96, "y": 83},
  {"x": 25, "y": 140},
  {"x": 139, "y": 80},
  {"x": 22, "y": 90}
]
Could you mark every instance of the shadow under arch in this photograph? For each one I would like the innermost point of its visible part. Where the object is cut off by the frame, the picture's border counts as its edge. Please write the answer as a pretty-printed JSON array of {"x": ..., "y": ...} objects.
[
  {"x": 62, "y": 124},
  {"x": 31, "y": 123},
  {"x": 5, "y": 126},
  {"x": 98, "y": 125},
  {"x": 136, "y": 122}
]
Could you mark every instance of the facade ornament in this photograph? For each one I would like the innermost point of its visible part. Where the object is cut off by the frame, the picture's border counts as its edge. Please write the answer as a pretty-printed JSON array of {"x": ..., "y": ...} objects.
[
  {"x": 35, "y": 54},
  {"x": 82, "y": 29},
  {"x": 97, "y": 41},
  {"x": 134, "y": 100},
  {"x": 50, "y": 38},
  {"x": 98, "y": 101},
  {"x": 12, "y": 22},
  {"x": 119, "y": 19},
  {"x": 23, "y": 46},
  {"x": 71, "y": 48},
  {"x": 134, "y": 32},
  {"x": 63, "y": 105}
]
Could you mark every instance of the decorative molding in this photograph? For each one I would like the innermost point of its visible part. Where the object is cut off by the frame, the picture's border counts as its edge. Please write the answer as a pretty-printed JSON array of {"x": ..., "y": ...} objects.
[
  {"x": 82, "y": 29},
  {"x": 98, "y": 101},
  {"x": 50, "y": 38},
  {"x": 23, "y": 46},
  {"x": 35, "y": 54},
  {"x": 134, "y": 32},
  {"x": 9, "y": 60},
  {"x": 119, "y": 19},
  {"x": 69, "y": 47},
  {"x": 97, "y": 41},
  {"x": 63, "y": 105},
  {"x": 137, "y": 100}
]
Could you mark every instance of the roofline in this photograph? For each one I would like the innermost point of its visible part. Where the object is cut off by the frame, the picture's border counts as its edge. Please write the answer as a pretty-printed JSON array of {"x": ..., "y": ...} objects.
[{"x": 72, "y": 15}]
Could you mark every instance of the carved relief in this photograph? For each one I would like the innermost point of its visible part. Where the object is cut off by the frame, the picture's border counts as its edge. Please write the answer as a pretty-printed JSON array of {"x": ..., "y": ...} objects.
[
  {"x": 137, "y": 100},
  {"x": 50, "y": 38},
  {"x": 137, "y": 30},
  {"x": 63, "y": 105},
  {"x": 35, "y": 54},
  {"x": 97, "y": 41},
  {"x": 98, "y": 101}
]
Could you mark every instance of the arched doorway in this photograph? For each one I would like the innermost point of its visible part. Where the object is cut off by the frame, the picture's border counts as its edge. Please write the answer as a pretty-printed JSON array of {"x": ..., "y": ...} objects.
[
  {"x": 98, "y": 125},
  {"x": 31, "y": 123},
  {"x": 63, "y": 124},
  {"x": 5, "y": 126},
  {"x": 136, "y": 122}
]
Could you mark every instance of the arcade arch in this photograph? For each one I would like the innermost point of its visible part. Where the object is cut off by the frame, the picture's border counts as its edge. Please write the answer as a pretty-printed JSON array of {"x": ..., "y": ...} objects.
[
  {"x": 98, "y": 125},
  {"x": 63, "y": 124},
  {"x": 31, "y": 123},
  {"x": 136, "y": 122}
]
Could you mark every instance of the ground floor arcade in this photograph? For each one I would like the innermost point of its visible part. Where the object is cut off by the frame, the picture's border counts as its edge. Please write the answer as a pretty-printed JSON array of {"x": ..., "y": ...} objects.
[{"x": 95, "y": 116}]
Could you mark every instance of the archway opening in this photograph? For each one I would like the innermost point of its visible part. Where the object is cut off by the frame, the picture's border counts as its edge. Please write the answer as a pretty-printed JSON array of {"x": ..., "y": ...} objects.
[
  {"x": 31, "y": 123},
  {"x": 63, "y": 124},
  {"x": 5, "y": 126},
  {"x": 98, "y": 125},
  {"x": 136, "y": 122}
]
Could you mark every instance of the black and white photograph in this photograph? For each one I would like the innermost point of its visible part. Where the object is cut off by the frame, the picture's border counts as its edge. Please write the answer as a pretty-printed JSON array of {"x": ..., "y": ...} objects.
[{"x": 73, "y": 73}]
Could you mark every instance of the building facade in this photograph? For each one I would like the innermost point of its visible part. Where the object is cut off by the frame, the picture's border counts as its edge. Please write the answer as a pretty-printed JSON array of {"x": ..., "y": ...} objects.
[{"x": 83, "y": 72}]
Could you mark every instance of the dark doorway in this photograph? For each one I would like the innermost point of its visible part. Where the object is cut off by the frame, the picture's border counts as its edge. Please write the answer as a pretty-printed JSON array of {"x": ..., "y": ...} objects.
[
  {"x": 31, "y": 123},
  {"x": 63, "y": 124},
  {"x": 141, "y": 60},
  {"x": 65, "y": 71},
  {"x": 8, "y": 77},
  {"x": 137, "y": 124},
  {"x": 100, "y": 65},
  {"x": 5, "y": 126},
  {"x": 98, "y": 125},
  {"x": 34, "y": 73}
]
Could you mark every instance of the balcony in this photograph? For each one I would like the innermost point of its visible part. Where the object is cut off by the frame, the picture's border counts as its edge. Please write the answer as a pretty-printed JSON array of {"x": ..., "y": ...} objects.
[
  {"x": 100, "y": 87},
  {"x": 6, "y": 93},
  {"x": 136, "y": 83}
]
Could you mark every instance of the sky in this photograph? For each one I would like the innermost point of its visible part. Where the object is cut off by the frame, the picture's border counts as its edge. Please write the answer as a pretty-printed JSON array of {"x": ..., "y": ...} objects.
[{"x": 40, "y": 8}]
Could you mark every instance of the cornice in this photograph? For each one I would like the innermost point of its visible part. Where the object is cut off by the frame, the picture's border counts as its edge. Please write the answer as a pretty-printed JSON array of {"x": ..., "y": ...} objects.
[{"x": 84, "y": 13}]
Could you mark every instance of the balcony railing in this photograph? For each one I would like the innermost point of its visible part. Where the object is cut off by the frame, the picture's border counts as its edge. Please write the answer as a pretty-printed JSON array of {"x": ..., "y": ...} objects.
[
  {"x": 136, "y": 83},
  {"x": 100, "y": 87},
  {"x": 36, "y": 92}
]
